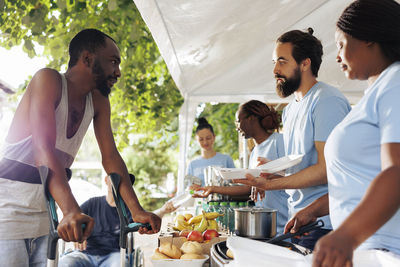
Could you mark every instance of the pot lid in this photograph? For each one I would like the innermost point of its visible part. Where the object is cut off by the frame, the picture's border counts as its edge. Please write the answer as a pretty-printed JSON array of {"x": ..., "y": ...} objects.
[{"x": 254, "y": 209}]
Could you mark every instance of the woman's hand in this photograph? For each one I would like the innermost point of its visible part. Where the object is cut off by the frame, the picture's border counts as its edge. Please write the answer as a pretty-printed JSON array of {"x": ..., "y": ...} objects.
[
  {"x": 194, "y": 187},
  {"x": 334, "y": 249},
  {"x": 250, "y": 180},
  {"x": 168, "y": 207},
  {"x": 207, "y": 190},
  {"x": 262, "y": 161},
  {"x": 301, "y": 218},
  {"x": 257, "y": 194}
]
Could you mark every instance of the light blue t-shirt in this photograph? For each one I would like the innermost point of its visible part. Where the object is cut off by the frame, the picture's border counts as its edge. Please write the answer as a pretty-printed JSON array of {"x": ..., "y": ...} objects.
[
  {"x": 304, "y": 122},
  {"x": 353, "y": 154},
  {"x": 196, "y": 167},
  {"x": 272, "y": 148}
]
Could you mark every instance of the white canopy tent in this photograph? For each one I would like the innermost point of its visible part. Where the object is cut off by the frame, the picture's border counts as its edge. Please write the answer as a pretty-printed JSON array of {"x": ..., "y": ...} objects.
[{"x": 220, "y": 50}]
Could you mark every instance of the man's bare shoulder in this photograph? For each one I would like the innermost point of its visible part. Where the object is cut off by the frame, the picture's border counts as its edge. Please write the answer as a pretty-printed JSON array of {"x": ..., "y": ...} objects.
[
  {"x": 47, "y": 75},
  {"x": 46, "y": 83}
]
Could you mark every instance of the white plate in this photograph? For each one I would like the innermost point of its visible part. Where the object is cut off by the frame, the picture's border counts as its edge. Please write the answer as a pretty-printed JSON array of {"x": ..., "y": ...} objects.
[
  {"x": 281, "y": 164},
  {"x": 233, "y": 173},
  {"x": 269, "y": 167}
]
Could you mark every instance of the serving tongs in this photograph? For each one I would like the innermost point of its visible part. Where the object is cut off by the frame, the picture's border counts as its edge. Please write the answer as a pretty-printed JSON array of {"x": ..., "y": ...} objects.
[{"x": 304, "y": 229}]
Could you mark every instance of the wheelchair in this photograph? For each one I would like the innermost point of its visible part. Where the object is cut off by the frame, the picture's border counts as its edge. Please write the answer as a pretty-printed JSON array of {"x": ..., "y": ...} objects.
[{"x": 134, "y": 257}]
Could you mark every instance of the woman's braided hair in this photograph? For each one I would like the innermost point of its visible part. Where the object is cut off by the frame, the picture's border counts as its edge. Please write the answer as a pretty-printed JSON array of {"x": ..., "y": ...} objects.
[
  {"x": 374, "y": 21},
  {"x": 267, "y": 116}
]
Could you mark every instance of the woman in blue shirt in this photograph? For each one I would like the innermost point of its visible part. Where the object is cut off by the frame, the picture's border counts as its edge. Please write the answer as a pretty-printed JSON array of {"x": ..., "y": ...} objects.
[
  {"x": 256, "y": 120},
  {"x": 205, "y": 136},
  {"x": 363, "y": 152}
]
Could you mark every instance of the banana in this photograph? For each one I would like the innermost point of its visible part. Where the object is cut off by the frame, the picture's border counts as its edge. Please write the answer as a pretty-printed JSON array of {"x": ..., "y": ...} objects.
[
  {"x": 212, "y": 224},
  {"x": 188, "y": 216},
  {"x": 209, "y": 216},
  {"x": 179, "y": 217},
  {"x": 202, "y": 225},
  {"x": 181, "y": 225}
]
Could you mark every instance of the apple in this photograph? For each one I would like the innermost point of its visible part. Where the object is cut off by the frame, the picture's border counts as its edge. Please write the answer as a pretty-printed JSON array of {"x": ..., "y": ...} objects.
[
  {"x": 210, "y": 234},
  {"x": 184, "y": 232},
  {"x": 195, "y": 236}
]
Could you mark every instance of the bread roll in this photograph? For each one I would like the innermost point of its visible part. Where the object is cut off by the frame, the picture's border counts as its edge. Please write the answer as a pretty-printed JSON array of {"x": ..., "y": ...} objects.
[
  {"x": 170, "y": 250},
  {"x": 229, "y": 253},
  {"x": 191, "y": 256},
  {"x": 159, "y": 256},
  {"x": 192, "y": 247}
]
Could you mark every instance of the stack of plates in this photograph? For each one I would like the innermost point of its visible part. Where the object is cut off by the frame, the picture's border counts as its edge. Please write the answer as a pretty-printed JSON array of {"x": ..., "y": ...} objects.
[{"x": 269, "y": 167}]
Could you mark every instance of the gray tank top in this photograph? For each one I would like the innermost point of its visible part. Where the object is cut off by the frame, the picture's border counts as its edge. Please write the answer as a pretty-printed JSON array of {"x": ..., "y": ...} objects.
[{"x": 18, "y": 160}]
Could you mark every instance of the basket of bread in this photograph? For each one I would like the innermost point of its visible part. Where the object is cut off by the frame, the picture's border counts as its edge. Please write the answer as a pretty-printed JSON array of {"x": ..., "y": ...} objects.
[{"x": 189, "y": 254}]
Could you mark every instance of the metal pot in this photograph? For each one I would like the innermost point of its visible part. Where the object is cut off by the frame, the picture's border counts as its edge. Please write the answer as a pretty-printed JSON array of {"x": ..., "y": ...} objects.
[{"x": 257, "y": 223}]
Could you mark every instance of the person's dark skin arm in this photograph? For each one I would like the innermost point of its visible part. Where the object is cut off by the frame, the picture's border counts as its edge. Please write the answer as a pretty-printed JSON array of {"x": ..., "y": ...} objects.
[
  {"x": 310, "y": 176},
  {"x": 44, "y": 93},
  {"x": 318, "y": 208},
  {"x": 168, "y": 207},
  {"x": 379, "y": 204},
  {"x": 224, "y": 190},
  {"x": 113, "y": 162}
]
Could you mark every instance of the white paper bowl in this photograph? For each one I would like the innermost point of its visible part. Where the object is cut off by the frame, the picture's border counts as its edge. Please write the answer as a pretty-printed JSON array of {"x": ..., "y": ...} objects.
[
  {"x": 180, "y": 263},
  {"x": 233, "y": 173},
  {"x": 281, "y": 164}
]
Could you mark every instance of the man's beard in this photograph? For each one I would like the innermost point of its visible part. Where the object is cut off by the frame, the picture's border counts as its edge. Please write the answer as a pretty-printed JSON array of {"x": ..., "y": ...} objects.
[
  {"x": 289, "y": 85},
  {"x": 101, "y": 79}
]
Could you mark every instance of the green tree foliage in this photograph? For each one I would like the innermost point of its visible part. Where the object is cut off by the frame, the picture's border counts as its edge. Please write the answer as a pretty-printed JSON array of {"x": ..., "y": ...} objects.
[{"x": 145, "y": 100}]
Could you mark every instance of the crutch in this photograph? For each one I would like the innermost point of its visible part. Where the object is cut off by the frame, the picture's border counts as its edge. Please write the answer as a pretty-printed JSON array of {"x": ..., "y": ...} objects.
[
  {"x": 52, "y": 259},
  {"x": 125, "y": 226}
]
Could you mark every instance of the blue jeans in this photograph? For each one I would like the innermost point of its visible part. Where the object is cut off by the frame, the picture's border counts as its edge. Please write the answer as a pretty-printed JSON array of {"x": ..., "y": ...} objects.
[
  {"x": 78, "y": 258},
  {"x": 30, "y": 252}
]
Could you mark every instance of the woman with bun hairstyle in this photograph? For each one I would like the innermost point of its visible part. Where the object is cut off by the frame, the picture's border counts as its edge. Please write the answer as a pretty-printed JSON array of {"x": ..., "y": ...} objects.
[
  {"x": 363, "y": 152},
  {"x": 256, "y": 120},
  {"x": 205, "y": 136}
]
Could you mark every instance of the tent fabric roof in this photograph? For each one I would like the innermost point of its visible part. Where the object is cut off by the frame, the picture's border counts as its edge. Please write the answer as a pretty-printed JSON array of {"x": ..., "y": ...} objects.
[{"x": 220, "y": 50}]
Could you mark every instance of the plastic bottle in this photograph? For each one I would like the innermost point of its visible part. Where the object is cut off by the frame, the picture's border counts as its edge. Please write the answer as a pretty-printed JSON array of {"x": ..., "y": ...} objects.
[
  {"x": 224, "y": 219},
  {"x": 199, "y": 207},
  {"x": 231, "y": 216},
  {"x": 205, "y": 205},
  {"x": 221, "y": 209},
  {"x": 210, "y": 207},
  {"x": 217, "y": 207},
  {"x": 181, "y": 199}
]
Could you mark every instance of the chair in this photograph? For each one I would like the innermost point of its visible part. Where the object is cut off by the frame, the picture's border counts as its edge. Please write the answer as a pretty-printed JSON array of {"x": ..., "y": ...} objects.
[{"x": 126, "y": 237}]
